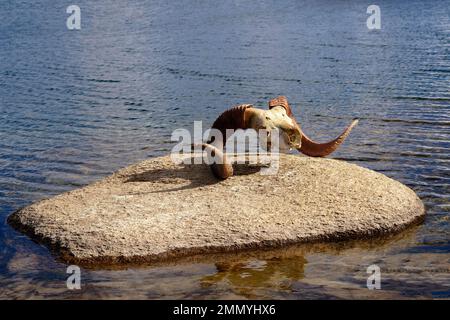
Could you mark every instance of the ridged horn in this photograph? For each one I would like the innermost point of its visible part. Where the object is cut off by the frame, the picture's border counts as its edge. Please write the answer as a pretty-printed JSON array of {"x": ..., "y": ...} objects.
[
  {"x": 281, "y": 101},
  {"x": 308, "y": 146},
  {"x": 222, "y": 169},
  {"x": 314, "y": 149},
  {"x": 234, "y": 118}
]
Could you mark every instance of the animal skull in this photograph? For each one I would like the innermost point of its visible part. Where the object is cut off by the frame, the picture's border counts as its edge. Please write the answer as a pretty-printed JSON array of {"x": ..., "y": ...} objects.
[{"x": 279, "y": 116}]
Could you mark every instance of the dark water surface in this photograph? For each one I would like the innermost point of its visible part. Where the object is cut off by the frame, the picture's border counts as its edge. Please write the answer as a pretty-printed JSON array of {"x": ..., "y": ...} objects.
[{"x": 78, "y": 105}]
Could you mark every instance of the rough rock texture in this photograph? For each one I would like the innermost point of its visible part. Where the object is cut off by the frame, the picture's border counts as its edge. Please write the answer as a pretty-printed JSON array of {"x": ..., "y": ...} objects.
[{"x": 156, "y": 210}]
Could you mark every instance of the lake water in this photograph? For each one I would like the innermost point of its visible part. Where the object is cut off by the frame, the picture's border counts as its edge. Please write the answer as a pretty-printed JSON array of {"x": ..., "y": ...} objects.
[{"x": 78, "y": 105}]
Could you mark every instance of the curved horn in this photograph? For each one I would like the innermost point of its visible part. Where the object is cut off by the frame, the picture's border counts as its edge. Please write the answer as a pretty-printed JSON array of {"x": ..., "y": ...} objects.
[
  {"x": 281, "y": 101},
  {"x": 308, "y": 146},
  {"x": 220, "y": 167},
  {"x": 234, "y": 118},
  {"x": 314, "y": 149}
]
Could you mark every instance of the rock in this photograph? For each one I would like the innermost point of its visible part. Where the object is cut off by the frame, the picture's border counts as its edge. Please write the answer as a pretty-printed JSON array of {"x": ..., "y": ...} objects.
[{"x": 157, "y": 210}]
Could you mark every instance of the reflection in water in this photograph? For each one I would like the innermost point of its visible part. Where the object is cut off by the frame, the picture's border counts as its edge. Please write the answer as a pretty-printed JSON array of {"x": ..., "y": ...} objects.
[
  {"x": 246, "y": 276},
  {"x": 76, "y": 106},
  {"x": 334, "y": 270}
]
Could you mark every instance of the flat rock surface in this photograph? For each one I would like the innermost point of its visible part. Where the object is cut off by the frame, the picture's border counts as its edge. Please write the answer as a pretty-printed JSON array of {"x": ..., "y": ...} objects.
[{"x": 156, "y": 210}]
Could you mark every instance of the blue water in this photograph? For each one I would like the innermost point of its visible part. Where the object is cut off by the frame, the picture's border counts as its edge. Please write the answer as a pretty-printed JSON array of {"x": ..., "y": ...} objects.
[{"x": 78, "y": 105}]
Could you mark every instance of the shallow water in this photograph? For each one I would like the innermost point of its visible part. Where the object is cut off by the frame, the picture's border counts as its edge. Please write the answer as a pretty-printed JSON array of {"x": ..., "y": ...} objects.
[{"x": 78, "y": 105}]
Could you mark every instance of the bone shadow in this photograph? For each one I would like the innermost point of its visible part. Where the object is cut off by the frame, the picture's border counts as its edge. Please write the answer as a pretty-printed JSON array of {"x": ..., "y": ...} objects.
[{"x": 198, "y": 175}]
